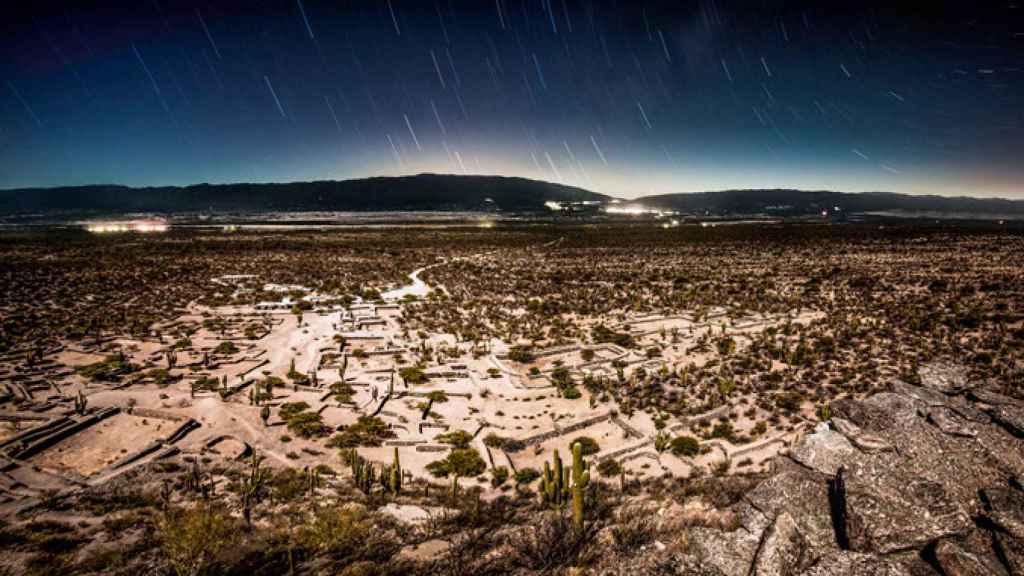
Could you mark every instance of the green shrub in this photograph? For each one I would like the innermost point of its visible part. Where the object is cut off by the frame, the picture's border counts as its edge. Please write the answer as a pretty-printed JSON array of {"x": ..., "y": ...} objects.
[{"x": 685, "y": 446}]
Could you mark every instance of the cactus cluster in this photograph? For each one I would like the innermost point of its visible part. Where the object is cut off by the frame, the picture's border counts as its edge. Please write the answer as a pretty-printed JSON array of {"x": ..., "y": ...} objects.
[
  {"x": 81, "y": 402},
  {"x": 197, "y": 481},
  {"x": 561, "y": 484},
  {"x": 366, "y": 475},
  {"x": 252, "y": 487}
]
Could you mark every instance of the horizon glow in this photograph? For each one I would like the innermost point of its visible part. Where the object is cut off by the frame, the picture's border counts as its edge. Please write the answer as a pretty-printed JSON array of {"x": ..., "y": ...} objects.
[{"x": 786, "y": 95}]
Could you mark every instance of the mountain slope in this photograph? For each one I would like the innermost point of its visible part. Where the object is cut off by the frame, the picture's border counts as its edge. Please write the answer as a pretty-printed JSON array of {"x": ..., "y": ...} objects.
[
  {"x": 420, "y": 192},
  {"x": 784, "y": 202}
]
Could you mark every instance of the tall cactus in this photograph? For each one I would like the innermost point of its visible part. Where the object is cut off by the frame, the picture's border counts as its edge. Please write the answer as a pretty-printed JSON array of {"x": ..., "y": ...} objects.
[
  {"x": 396, "y": 475},
  {"x": 580, "y": 482},
  {"x": 561, "y": 484}
]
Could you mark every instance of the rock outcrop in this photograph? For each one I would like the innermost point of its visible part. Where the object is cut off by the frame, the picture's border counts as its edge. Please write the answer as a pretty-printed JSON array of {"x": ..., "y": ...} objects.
[{"x": 921, "y": 479}]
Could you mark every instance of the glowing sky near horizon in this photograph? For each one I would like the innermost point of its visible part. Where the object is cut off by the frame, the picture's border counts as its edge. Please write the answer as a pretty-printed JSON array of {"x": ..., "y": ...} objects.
[{"x": 628, "y": 98}]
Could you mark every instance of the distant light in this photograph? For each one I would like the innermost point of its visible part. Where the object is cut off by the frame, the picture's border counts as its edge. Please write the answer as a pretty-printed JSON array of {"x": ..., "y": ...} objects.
[
  {"x": 142, "y": 226},
  {"x": 552, "y": 205},
  {"x": 637, "y": 210}
]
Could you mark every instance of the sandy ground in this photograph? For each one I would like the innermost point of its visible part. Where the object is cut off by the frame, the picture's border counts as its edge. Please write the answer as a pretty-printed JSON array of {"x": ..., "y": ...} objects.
[
  {"x": 486, "y": 394},
  {"x": 101, "y": 445}
]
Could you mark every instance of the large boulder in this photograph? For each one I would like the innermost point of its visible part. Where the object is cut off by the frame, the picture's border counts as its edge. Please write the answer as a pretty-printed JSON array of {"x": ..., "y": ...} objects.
[
  {"x": 824, "y": 450},
  {"x": 955, "y": 561},
  {"x": 1005, "y": 506},
  {"x": 1010, "y": 416},
  {"x": 782, "y": 551},
  {"x": 950, "y": 422},
  {"x": 1010, "y": 550},
  {"x": 926, "y": 396},
  {"x": 888, "y": 509},
  {"x": 845, "y": 563},
  {"x": 729, "y": 552},
  {"x": 803, "y": 494}
]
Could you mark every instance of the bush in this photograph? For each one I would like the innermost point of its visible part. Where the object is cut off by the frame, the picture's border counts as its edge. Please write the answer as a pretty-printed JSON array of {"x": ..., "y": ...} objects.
[
  {"x": 367, "y": 431},
  {"x": 685, "y": 446},
  {"x": 521, "y": 354},
  {"x": 723, "y": 430},
  {"x": 289, "y": 409},
  {"x": 588, "y": 446},
  {"x": 635, "y": 529},
  {"x": 601, "y": 334},
  {"x": 227, "y": 347},
  {"x": 789, "y": 401},
  {"x": 499, "y": 476},
  {"x": 526, "y": 475},
  {"x": 609, "y": 467},
  {"x": 194, "y": 540},
  {"x": 494, "y": 441},
  {"x": 300, "y": 422},
  {"x": 465, "y": 462},
  {"x": 412, "y": 375},
  {"x": 456, "y": 438}
]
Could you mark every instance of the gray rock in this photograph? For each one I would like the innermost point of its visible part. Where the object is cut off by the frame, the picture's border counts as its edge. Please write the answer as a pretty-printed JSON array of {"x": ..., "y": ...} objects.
[
  {"x": 1010, "y": 416},
  {"x": 879, "y": 414},
  {"x": 823, "y": 450},
  {"x": 860, "y": 439},
  {"x": 1011, "y": 551},
  {"x": 889, "y": 509},
  {"x": 782, "y": 549},
  {"x": 730, "y": 553},
  {"x": 803, "y": 494},
  {"x": 1005, "y": 506},
  {"x": 968, "y": 411},
  {"x": 955, "y": 561},
  {"x": 991, "y": 398},
  {"x": 926, "y": 396},
  {"x": 845, "y": 563},
  {"x": 950, "y": 422},
  {"x": 943, "y": 377}
]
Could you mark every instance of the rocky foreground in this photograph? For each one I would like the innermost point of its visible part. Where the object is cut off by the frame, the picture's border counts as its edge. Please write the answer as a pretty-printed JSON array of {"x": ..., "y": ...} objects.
[{"x": 923, "y": 479}]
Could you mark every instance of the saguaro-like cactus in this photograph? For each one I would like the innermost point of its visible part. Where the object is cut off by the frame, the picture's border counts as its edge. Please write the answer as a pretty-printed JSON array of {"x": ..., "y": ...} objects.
[
  {"x": 396, "y": 475},
  {"x": 561, "y": 484},
  {"x": 580, "y": 482}
]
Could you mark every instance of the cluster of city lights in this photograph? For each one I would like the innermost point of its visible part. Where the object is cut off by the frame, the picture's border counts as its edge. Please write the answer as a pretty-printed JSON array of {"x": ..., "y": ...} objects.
[
  {"x": 637, "y": 210},
  {"x": 120, "y": 227}
]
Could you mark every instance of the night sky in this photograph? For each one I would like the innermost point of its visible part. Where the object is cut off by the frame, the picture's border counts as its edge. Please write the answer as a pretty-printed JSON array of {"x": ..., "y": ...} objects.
[{"x": 626, "y": 98}]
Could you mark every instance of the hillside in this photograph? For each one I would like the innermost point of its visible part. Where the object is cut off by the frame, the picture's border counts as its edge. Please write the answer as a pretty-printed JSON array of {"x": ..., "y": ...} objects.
[
  {"x": 436, "y": 192},
  {"x": 783, "y": 202}
]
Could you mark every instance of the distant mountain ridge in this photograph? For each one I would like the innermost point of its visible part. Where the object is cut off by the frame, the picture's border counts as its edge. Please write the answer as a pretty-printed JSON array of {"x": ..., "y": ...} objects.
[
  {"x": 787, "y": 202},
  {"x": 422, "y": 192},
  {"x": 447, "y": 192}
]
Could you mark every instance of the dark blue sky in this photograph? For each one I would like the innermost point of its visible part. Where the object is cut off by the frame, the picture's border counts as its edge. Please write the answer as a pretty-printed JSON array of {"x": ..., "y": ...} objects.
[{"x": 626, "y": 98}]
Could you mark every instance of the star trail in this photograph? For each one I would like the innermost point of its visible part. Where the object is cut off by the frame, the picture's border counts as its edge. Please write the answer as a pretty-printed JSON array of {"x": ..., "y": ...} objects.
[{"x": 625, "y": 98}]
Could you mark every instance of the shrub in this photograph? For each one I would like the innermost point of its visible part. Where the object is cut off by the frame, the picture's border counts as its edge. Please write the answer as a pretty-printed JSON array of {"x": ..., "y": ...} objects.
[
  {"x": 464, "y": 462},
  {"x": 609, "y": 467},
  {"x": 521, "y": 354},
  {"x": 685, "y": 446},
  {"x": 194, "y": 540},
  {"x": 456, "y": 438},
  {"x": 499, "y": 476},
  {"x": 413, "y": 375},
  {"x": 588, "y": 446},
  {"x": 367, "y": 431},
  {"x": 526, "y": 475},
  {"x": 494, "y": 441}
]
